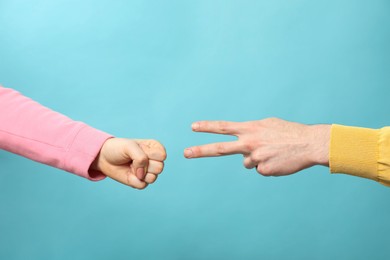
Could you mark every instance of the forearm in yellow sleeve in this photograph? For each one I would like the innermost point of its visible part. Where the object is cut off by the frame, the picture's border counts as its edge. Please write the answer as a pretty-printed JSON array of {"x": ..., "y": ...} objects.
[{"x": 361, "y": 152}]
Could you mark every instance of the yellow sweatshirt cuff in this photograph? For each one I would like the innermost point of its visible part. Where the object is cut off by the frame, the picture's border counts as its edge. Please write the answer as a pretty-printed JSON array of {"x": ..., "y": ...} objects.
[{"x": 361, "y": 152}]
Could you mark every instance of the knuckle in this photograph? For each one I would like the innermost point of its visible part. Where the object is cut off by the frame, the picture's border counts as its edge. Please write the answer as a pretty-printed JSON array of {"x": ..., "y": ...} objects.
[
  {"x": 196, "y": 151},
  {"x": 164, "y": 154},
  {"x": 269, "y": 120},
  {"x": 249, "y": 146},
  {"x": 158, "y": 150},
  {"x": 256, "y": 156},
  {"x": 248, "y": 164},
  {"x": 158, "y": 144},
  {"x": 223, "y": 126},
  {"x": 274, "y": 120},
  {"x": 153, "y": 143},
  {"x": 221, "y": 149},
  {"x": 143, "y": 160}
]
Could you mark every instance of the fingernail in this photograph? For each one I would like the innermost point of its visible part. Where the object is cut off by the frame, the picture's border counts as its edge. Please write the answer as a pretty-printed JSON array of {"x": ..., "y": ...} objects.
[
  {"x": 140, "y": 173},
  {"x": 188, "y": 153},
  {"x": 195, "y": 126}
]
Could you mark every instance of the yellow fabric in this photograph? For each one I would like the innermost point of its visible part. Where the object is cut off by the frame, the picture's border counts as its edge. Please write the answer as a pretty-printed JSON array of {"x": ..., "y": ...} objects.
[
  {"x": 361, "y": 152},
  {"x": 384, "y": 156}
]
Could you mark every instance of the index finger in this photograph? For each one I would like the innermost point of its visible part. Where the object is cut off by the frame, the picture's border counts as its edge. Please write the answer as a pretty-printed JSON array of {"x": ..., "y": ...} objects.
[
  {"x": 218, "y": 127},
  {"x": 214, "y": 149}
]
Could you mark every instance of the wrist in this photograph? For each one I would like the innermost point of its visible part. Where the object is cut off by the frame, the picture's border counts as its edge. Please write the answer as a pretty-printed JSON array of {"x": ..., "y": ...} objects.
[
  {"x": 97, "y": 164},
  {"x": 319, "y": 144}
]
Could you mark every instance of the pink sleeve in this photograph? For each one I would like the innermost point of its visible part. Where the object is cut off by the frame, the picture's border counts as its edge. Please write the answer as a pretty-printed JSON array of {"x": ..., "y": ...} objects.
[{"x": 38, "y": 133}]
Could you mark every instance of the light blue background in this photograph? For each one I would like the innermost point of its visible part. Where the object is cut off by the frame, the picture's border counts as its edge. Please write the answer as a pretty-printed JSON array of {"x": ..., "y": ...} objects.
[{"x": 148, "y": 69}]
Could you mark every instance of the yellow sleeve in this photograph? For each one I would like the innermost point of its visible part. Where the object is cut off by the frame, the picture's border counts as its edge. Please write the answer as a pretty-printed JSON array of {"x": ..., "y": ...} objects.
[{"x": 361, "y": 152}]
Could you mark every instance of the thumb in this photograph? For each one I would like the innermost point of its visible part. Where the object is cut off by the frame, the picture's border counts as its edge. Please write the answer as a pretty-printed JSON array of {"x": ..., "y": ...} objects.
[{"x": 139, "y": 159}]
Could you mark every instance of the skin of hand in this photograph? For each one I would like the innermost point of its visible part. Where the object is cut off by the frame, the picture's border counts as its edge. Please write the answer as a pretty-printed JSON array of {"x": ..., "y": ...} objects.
[
  {"x": 133, "y": 162},
  {"x": 273, "y": 146}
]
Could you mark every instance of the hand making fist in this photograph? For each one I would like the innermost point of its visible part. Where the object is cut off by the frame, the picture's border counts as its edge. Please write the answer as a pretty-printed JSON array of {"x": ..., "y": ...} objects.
[{"x": 133, "y": 162}]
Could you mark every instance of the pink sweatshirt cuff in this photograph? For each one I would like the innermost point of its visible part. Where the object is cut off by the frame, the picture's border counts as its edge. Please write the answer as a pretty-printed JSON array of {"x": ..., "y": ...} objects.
[{"x": 82, "y": 152}]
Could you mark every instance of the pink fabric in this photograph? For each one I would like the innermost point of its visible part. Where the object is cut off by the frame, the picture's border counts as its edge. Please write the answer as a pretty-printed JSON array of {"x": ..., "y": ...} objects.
[{"x": 38, "y": 133}]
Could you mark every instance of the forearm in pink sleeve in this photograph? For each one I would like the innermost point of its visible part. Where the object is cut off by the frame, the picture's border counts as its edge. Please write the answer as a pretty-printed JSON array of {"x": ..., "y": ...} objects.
[{"x": 38, "y": 133}]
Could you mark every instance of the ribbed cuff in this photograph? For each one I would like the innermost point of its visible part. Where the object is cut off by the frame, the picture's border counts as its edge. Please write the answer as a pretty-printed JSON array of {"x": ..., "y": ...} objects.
[
  {"x": 354, "y": 151},
  {"x": 384, "y": 156},
  {"x": 83, "y": 151}
]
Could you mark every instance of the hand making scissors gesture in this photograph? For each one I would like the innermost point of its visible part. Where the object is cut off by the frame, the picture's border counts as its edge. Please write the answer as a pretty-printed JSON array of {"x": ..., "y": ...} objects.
[{"x": 273, "y": 146}]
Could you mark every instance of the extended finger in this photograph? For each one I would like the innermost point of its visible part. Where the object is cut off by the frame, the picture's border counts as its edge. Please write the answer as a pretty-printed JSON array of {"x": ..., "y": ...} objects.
[
  {"x": 218, "y": 127},
  {"x": 213, "y": 150}
]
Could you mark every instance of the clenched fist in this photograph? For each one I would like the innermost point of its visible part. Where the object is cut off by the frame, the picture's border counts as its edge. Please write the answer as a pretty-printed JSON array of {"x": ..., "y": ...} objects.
[{"x": 133, "y": 162}]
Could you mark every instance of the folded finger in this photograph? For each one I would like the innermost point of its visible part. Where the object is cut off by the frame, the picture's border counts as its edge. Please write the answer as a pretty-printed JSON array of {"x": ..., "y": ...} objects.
[
  {"x": 155, "y": 167},
  {"x": 128, "y": 178},
  {"x": 153, "y": 149},
  {"x": 150, "y": 178},
  {"x": 135, "y": 182},
  {"x": 249, "y": 163}
]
